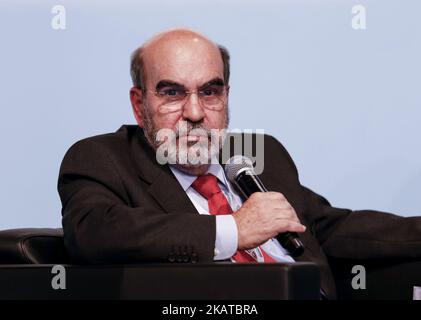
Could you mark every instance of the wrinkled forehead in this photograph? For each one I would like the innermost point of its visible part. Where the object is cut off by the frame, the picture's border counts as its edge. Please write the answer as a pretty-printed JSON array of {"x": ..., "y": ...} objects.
[{"x": 190, "y": 62}]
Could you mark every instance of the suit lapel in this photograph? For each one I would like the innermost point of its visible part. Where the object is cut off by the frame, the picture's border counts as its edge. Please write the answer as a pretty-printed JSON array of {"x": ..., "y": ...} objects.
[
  {"x": 167, "y": 191},
  {"x": 163, "y": 186}
]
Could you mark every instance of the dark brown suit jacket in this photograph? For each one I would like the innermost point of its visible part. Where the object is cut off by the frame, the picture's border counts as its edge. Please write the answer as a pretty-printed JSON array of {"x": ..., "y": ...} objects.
[{"x": 121, "y": 206}]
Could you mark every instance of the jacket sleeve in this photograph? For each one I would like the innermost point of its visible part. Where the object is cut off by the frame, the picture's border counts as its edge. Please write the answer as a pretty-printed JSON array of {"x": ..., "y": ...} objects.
[
  {"x": 364, "y": 234},
  {"x": 100, "y": 226}
]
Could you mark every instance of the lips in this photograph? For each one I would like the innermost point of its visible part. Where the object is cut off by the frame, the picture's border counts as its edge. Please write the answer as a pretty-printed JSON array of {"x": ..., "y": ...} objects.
[
  {"x": 191, "y": 138},
  {"x": 194, "y": 137}
]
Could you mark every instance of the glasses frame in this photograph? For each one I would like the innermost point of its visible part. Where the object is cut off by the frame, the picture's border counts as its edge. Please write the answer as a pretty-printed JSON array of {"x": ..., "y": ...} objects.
[{"x": 184, "y": 100}]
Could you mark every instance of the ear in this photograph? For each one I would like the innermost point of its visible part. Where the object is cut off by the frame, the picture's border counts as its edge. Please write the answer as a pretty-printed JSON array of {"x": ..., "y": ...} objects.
[{"x": 136, "y": 100}]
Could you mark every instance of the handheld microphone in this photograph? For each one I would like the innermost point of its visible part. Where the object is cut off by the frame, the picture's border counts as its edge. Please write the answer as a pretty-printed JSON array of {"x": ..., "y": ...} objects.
[{"x": 239, "y": 171}]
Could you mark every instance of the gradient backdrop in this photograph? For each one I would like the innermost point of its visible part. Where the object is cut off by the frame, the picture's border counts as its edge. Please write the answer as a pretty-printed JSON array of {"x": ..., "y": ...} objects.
[{"x": 346, "y": 103}]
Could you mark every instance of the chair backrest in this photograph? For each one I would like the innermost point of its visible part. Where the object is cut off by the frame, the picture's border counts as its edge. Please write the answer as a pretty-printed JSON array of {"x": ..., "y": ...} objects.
[{"x": 32, "y": 246}]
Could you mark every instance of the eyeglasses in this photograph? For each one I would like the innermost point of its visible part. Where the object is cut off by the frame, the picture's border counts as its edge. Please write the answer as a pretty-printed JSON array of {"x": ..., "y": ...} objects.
[{"x": 172, "y": 99}]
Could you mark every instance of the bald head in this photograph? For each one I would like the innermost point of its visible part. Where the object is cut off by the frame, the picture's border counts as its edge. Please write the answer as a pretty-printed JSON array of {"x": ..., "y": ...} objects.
[
  {"x": 174, "y": 48},
  {"x": 177, "y": 36}
]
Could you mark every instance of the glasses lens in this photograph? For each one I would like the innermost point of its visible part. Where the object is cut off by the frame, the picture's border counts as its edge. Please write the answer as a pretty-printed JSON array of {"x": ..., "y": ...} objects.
[
  {"x": 170, "y": 95},
  {"x": 213, "y": 97},
  {"x": 172, "y": 98}
]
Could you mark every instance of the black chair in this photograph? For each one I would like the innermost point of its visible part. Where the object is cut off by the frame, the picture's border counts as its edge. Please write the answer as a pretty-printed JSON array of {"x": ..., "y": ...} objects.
[
  {"x": 27, "y": 257},
  {"x": 32, "y": 246}
]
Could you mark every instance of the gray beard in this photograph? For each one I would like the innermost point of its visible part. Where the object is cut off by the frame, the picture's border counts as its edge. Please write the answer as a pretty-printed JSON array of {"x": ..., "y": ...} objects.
[{"x": 209, "y": 147}]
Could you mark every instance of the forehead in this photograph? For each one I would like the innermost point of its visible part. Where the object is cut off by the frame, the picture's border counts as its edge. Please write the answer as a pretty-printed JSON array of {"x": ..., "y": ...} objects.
[{"x": 190, "y": 61}]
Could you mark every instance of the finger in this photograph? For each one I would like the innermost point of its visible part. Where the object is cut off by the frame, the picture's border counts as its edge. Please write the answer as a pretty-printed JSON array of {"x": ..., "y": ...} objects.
[
  {"x": 291, "y": 226},
  {"x": 286, "y": 212},
  {"x": 275, "y": 195},
  {"x": 283, "y": 205}
]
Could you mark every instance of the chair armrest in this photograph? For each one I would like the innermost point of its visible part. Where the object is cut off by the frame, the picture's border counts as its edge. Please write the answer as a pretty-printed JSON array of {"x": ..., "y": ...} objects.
[
  {"x": 386, "y": 279},
  {"x": 32, "y": 246},
  {"x": 28, "y": 255},
  {"x": 228, "y": 281}
]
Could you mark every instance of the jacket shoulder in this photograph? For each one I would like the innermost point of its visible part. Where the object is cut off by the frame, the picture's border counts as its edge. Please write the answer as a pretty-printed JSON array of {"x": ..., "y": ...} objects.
[
  {"x": 123, "y": 134},
  {"x": 105, "y": 141},
  {"x": 257, "y": 142}
]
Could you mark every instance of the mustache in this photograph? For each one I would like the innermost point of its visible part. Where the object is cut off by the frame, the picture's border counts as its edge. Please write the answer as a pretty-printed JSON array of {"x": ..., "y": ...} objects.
[{"x": 198, "y": 128}]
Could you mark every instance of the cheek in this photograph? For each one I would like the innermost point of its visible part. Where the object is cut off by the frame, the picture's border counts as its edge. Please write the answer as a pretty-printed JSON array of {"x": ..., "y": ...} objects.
[
  {"x": 166, "y": 121},
  {"x": 160, "y": 120},
  {"x": 216, "y": 120}
]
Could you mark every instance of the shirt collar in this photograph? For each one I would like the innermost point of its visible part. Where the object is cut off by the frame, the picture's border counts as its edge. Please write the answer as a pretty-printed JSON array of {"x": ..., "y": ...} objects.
[{"x": 187, "y": 180}]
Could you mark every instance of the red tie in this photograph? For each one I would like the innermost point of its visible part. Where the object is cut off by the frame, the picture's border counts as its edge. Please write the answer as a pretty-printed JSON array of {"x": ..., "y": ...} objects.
[{"x": 207, "y": 186}]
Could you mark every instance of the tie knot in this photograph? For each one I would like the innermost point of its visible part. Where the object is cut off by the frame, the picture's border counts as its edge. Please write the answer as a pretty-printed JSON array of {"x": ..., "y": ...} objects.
[{"x": 206, "y": 185}]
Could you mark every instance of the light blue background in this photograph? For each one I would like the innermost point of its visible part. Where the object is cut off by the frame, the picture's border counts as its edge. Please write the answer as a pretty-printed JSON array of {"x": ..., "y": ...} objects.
[{"x": 345, "y": 103}]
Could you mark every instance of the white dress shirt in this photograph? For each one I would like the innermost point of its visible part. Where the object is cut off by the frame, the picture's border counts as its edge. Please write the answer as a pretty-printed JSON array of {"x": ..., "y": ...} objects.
[{"x": 226, "y": 242}]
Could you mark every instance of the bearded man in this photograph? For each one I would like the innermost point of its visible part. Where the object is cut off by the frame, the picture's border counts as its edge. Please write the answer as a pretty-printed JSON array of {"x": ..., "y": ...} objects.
[{"x": 157, "y": 191}]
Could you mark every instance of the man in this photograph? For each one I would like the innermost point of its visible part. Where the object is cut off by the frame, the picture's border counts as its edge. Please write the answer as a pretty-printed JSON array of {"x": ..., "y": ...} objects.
[{"x": 121, "y": 205}]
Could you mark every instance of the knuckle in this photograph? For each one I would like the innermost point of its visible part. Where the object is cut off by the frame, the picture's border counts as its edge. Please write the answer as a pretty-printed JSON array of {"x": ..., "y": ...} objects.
[
  {"x": 258, "y": 195},
  {"x": 253, "y": 198},
  {"x": 276, "y": 195},
  {"x": 280, "y": 196}
]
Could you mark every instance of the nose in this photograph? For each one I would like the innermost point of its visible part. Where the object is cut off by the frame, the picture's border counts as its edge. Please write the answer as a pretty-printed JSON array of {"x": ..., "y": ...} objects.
[{"x": 193, "y": 110}]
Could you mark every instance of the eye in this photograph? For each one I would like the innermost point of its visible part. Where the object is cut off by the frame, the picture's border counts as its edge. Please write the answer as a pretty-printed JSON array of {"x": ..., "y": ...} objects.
[
  {"x": 170, "y": 92},
  {"x": 211, "y": 91},
  {"x": 208, "y": 92}
]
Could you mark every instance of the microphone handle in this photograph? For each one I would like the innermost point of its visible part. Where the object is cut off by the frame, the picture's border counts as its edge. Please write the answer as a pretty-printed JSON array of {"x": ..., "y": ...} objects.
[{"x": 249, "y": 183}]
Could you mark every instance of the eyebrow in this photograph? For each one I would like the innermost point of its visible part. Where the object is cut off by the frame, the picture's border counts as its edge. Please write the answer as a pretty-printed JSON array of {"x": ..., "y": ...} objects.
[
  {"x": 169, "y": 83},
  {"x": 213, "y": 82}
]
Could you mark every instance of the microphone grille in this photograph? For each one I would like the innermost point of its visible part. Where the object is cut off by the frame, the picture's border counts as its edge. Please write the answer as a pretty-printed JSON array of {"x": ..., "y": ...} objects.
[{"x": 235, "y": 164}]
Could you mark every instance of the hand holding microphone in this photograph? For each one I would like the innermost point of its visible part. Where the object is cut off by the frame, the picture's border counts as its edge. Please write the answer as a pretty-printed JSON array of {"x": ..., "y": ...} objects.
[{"x": 264, "y": 215}]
